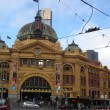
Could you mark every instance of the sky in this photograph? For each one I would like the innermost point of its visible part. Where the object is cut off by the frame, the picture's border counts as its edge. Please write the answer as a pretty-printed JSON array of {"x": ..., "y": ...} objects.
[{"x": 67, "y": 21}]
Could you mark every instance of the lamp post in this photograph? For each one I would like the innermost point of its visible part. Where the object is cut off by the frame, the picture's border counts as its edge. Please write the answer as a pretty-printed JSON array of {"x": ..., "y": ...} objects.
[
  {"x": 66, "y": 99},
  {"x": 105, "y": 97},
  {"x": 92, "y": 98}
]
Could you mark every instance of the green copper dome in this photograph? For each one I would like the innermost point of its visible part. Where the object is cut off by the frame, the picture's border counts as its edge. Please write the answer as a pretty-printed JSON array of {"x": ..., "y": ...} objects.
[
  {"x": 71, "y": 47},
  {"x": 37, "y": 29},
  {"x": 2, "y": 43}
]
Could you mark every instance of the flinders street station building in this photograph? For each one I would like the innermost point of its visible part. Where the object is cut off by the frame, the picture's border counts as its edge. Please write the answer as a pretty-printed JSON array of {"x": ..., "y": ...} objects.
[{"x": 37, "y": 66}]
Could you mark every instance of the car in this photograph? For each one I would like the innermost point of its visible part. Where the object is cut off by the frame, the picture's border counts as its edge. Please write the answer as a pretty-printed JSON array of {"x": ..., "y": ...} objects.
[
  {"x": 4, "y": 104},
  {"x": 29, "y": 104}
]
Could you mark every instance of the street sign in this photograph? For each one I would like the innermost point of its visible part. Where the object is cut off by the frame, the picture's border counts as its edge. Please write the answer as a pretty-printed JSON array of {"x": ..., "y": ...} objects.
[{"x": 13, "y": 87}]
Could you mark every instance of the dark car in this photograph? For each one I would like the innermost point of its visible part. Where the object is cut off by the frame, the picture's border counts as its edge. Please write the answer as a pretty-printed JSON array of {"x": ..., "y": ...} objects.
[
  {"x": 65, "y": 106},
  {"x": 4, "y": 104}
]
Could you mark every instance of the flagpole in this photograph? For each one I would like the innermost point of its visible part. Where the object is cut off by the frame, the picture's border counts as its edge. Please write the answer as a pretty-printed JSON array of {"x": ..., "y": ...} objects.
[
  {"x": 67, "y": 44},
  {"x": 38, "y": 7},
  {"x": 37, "y": 1}
]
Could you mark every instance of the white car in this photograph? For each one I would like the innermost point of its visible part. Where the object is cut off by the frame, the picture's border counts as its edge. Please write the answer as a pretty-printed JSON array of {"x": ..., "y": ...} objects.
[{"x": 30, "y": 104}]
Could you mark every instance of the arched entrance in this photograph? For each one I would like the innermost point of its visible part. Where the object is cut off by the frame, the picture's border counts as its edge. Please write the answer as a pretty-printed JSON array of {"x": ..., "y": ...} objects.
[{"x": 35, "y": 87}]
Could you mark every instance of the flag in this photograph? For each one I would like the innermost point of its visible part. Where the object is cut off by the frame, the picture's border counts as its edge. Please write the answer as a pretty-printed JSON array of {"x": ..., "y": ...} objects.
[
  {"x": 36, "y": 1},
  {"x": 8, "y": 37}
]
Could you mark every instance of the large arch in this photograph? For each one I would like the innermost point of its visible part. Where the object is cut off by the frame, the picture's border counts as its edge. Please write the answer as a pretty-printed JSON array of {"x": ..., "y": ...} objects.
[{"x": 36, "y": 88}]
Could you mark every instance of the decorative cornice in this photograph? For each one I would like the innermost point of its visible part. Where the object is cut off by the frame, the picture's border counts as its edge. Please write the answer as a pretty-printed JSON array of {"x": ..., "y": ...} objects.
[
  {"x": 37, "y": 43},
  {"x": 76, "y": 56},
  {"x": 5, "y": 53}
]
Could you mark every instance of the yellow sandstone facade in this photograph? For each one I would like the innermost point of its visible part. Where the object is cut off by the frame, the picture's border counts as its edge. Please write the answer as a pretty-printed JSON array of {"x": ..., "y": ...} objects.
[{"x": 37, "y": 64}]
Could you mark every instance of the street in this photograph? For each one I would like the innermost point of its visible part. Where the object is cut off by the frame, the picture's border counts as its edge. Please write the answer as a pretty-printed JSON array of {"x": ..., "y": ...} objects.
[
  {"x": 41, "y": 108},
  {"x": 20, "y": 107}
]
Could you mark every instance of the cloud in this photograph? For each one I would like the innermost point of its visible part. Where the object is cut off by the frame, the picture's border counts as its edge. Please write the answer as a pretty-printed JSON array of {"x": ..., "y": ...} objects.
[{"x": 92, "y": 41}]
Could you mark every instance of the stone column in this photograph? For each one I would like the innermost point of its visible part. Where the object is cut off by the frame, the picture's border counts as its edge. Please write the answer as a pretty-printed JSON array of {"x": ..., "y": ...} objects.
[
  {"x": 77, "y": 78},
  {"x": 87, "y": 81}
]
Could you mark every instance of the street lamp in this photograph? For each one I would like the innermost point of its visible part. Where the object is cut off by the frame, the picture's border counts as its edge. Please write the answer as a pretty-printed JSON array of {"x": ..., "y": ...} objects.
[
  {"x": 66, "y": 99},
  {"x": 104, "y": 97}
]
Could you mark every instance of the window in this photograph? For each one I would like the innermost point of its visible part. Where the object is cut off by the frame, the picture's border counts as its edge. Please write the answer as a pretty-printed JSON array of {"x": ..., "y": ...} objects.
[
  {"x": 48, "y": 63},
  {"x": 83, "y": 92},
  {"x": 67, "y": 68},
  {"x": 109, "y": 83},
  {"x": 83, "y": 81},
  {"x": 24, "y": 61},
  {"x": 4, "y": 65},
  {"x": 104, "y": 85},
  {"x": 98, "y": 93},
  {"x": 68, "y": 79},
  {"x": 33, "y": 62},
  {"x": 82, "y": 69},
  {"x": 14, "y": 75},
  {"x": 40, "y": 62},
  {"x": 4, "y": 68}
]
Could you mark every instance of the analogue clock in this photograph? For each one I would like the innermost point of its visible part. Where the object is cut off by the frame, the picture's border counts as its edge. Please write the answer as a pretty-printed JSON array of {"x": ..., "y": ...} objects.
[{"x": 37, "y": 51}]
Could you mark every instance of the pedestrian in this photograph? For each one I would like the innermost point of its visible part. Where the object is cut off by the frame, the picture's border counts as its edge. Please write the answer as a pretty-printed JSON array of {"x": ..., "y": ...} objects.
[
  {"x": 79, "y": 106},
  {"x": 18, "y": 101},
  {"x": 34, "y": 100}
]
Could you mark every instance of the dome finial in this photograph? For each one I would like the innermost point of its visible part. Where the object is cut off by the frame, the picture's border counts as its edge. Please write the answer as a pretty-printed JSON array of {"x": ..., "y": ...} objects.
[
  {"x": 38, "y": 17},
  {"x": 73, "y": 42}
]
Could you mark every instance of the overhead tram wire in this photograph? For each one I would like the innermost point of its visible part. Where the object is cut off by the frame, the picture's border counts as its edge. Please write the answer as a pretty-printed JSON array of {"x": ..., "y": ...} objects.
[
  {"x": 87, "y": 21},
  {"x": 95, "y": 8},
  {"x": 79, "y": 17},
  {"x": 101, "y": 47},
  {"x": 108, "y": 43},
  {"x": 83, "y": 19},
  {"x": 83, "y": 33},
  {"x": 72, "y": 10}
]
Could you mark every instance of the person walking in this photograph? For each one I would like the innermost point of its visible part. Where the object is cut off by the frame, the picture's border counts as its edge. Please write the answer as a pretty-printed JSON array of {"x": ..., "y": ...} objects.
[{"x": 79, "y": 106}]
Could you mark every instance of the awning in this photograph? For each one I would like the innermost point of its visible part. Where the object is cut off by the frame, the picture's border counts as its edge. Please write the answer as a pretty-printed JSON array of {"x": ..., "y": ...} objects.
[{"x": 36, "y": 90}]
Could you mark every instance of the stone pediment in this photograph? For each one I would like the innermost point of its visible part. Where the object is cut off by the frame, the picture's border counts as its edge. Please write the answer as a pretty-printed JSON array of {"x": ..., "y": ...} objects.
[{"x": 38, "y": 47}]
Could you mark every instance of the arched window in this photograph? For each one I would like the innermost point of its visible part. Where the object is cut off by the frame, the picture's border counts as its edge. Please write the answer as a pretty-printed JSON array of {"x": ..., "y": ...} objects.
[
  {"x": 104, "y": 84},
  {"x": 4, "y": 71},
  {"x": 68, "y": 77},
  {"x": 67, "y": 68},
  {"x": 82, "y": 69}
]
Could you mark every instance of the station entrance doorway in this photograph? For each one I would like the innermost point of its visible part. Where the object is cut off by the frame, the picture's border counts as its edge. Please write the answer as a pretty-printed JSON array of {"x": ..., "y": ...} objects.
[{"x": 35, "y": 88}]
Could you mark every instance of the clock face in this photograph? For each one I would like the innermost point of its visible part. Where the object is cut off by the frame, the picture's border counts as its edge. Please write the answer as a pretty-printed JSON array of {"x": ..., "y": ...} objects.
[{"x": 37, "y": 51}]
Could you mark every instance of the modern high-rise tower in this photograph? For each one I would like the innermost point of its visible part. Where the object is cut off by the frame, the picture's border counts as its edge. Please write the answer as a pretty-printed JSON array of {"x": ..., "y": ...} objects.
[
  {"x": 46, "y": 15},
  {"x": 92, "y": 55}
]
